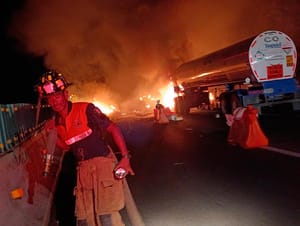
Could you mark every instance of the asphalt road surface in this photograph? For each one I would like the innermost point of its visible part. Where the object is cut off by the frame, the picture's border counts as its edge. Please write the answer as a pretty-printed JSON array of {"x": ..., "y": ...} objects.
[{"x": 188, "y": 175}]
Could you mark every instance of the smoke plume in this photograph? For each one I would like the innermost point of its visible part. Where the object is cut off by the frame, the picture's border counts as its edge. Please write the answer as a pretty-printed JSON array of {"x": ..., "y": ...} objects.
[{"x": 118, "y": 50}]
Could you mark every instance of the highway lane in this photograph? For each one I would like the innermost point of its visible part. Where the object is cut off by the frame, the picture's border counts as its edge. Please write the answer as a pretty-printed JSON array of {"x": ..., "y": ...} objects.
[
  {"x": 283, "y": 133},
  {"x": 188, "y": 175}
]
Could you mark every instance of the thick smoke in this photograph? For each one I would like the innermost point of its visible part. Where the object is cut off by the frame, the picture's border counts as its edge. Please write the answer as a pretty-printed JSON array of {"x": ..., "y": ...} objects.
[{"x": 118, "y": 50}]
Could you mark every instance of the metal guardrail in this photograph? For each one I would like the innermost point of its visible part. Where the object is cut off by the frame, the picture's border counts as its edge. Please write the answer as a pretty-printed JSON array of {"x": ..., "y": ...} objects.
[{"x": 18, "y": 123}]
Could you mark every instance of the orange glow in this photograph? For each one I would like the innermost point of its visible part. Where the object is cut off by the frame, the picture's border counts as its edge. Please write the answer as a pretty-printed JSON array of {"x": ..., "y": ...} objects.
[
  {"x": 167, "y": 96},
  {"x": 211, "y": 97},
  {"x": 106, "y": 109},
  {"x": 146, "y": 103}
]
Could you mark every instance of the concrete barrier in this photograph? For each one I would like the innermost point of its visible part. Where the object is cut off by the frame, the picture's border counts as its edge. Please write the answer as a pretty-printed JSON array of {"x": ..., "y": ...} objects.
[{"x": 26, "y": 195}]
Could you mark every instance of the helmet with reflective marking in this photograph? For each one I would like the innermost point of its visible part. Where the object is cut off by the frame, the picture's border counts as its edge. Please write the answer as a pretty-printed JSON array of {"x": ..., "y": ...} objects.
[{"x": 51, "y": 82}]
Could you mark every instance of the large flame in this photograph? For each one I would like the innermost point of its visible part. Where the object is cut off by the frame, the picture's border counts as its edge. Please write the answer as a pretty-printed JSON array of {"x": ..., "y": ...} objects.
[
  {"x": 168, "y": 95},
  {"x": 105, "y": 108},
  {"x": 144, "y": 103}
]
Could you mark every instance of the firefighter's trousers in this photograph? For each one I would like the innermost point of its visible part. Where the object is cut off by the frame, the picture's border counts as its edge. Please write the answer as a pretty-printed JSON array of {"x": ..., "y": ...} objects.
[{"x": 98, "y": 192}]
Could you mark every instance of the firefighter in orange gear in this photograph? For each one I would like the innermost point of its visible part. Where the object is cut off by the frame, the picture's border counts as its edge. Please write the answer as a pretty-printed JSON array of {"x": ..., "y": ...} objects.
[
  {"x": 159, "y": 113},
  {"x": 81, "y": 128}
]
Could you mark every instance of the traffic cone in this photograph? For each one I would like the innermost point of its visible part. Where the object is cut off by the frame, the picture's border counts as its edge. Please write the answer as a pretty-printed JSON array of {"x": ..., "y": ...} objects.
[
  {"x": 163, "y": 119},
  {"x": 246, "y": 131},
  {"x": 255, "y": 137},
  {"x": 160, "y": 116}
]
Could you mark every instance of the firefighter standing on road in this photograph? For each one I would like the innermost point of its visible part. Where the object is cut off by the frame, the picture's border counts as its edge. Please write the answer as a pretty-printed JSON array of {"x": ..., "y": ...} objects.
[
  {"x": 81, "y": 128},
  {"x": 159, "y": 113}
]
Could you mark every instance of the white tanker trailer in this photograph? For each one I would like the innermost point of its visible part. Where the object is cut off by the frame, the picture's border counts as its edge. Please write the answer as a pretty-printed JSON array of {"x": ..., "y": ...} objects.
[{"x": 259, "y": 71}]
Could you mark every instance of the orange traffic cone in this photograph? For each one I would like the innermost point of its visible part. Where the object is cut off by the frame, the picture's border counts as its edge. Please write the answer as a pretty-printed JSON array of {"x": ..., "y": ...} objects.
[
  {"x": 160, "y": 116},
  {"x": 255, "y": 136},
  {"x": 163, "y": 119},
  {"x": 247, "y": 132}
]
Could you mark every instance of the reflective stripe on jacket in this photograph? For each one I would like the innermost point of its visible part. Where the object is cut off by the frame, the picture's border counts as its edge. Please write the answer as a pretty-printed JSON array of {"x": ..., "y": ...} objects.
[{"x": 76, "y": 126}]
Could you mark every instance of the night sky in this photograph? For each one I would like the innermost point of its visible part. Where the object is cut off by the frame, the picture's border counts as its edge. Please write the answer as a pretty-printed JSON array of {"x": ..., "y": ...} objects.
[
  {"x": 118, "y": 50},
  {"x": 20, "y": 70}
]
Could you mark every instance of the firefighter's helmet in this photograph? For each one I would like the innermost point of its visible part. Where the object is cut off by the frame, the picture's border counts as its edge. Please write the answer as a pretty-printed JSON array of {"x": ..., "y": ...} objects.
[{"x": 51, "y": 82}]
